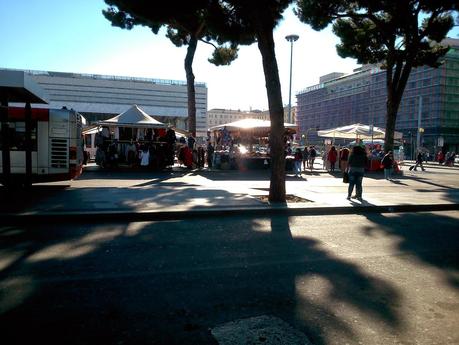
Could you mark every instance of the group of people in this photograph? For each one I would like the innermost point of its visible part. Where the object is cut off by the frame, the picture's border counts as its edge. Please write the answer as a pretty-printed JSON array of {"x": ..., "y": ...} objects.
[
  {"x": 193, "y": 155},
  {"x": 447, "y": 158},
  {"x": 333, "y": 156},
  {"x": 305, "y": 158}
]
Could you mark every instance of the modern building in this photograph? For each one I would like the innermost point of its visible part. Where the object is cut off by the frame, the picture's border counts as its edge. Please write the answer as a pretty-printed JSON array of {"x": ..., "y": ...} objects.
[
  {"x": 99, "y": 97},
  {"x": 218, "y": 116},
  {"x": 430, "y": 103}
]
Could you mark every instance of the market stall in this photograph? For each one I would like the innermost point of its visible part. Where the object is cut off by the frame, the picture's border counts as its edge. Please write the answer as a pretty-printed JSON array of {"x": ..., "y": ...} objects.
[
  {"x": 244, "y": 144},
  {"x": 370, "y": 136},
  {"x": 132, "y": 136}
]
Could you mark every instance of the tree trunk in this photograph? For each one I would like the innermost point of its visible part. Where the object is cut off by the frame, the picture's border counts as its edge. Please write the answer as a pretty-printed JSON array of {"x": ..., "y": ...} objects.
[
  {"x": 190, "y": 85},
  {"x": 390, "y": 124},
  {"x": 395, "y": 88},
  {"x": 276, "y": 114}
]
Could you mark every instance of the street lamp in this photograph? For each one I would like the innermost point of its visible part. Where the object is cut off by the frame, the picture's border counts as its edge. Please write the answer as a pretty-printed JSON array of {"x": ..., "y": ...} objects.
[
  {"x": 419, "y": 130},
  {"x": 291, "y": 39}
]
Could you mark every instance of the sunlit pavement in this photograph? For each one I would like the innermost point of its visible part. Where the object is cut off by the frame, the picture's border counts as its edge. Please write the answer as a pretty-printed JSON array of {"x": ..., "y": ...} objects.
[{"x": 177, "y": 192}]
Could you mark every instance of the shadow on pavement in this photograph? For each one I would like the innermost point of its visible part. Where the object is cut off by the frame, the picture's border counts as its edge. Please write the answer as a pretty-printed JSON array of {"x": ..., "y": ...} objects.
[
  {"x": 170, "y": 282},
  {"x": 20, "y": 199},
  {"x": 428, "y": 236}
]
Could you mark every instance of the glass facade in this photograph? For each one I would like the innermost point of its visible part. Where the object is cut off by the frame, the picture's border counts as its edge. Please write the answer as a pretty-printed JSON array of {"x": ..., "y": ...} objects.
[{"x": 431, "y": 93}]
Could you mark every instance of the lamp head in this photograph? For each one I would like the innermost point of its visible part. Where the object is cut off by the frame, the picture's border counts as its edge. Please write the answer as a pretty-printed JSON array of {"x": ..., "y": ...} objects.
[{"x": 292, "y": 38}]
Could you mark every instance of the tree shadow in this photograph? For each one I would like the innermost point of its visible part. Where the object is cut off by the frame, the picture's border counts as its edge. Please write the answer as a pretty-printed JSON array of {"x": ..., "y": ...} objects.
[
  {"x": 157, "y": 192},
  {"x": 133, "y": 174},
  {"x": 18, "y": 199},
  {"x": 398, "y": 182},
  {"x": 431, "y": 237},
  {"x": 428, "y": 182},
  {"x": 170, "y": 282}
]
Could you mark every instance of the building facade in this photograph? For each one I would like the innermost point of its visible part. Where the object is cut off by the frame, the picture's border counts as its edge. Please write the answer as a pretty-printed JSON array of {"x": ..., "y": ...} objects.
[
  {"x": 292, "y": 114},
  {"x": 430, "y": 103},
  {"x": 99, "y": 97}
]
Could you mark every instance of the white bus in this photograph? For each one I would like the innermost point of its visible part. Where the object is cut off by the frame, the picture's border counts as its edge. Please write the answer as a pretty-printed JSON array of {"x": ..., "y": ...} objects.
[{"x": 56, "y": 141}]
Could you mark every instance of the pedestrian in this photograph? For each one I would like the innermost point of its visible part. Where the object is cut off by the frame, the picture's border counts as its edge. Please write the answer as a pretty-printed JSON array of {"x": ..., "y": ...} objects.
[
  {"x": 356, "y": 168},
  {"x": 288, "y": 150},
  {"x": 332, "y": 157},
  {"x": 201, "y": 155},
  {"x": 419, "y": 160},
  {"x": 440, "y": 157},
  {"x": 298, "y": 157},
  {"x": 325, "y": 163},
  {"x": 191, "y": 141},
  {"x": 388, "y": 162},
  {"x": 343, "y": 157},
  {"x": 210, "y": 154},
  {"x": 450, "y": 160},
  {"x": 312, "y": 156},
  {"x": 305, "y": 158}
]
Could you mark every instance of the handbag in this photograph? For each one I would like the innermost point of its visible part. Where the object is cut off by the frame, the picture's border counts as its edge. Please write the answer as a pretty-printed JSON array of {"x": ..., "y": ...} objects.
[{"x": 345, "y": 177}]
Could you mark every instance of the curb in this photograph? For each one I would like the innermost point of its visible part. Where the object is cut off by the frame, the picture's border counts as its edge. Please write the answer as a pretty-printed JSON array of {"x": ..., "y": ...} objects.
[{"x": 131, "y": 216}]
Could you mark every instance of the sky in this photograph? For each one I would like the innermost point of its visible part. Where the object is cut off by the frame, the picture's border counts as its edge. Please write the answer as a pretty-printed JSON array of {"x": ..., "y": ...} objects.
[{"x": 74, "y": 36}]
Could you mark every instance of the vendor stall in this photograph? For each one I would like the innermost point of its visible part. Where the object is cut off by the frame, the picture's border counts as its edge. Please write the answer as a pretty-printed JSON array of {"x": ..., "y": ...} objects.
[
  {"x": 126, "y": 138},
  {"x": 244, "y": 144},
  {"x": 370, "y": 136}
]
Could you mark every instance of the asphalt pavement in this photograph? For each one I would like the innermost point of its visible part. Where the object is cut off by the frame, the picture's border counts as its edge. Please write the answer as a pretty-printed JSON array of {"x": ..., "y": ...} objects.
[
  {"x": 135, "y": 194},
  {"x": 374, "y": 275}
]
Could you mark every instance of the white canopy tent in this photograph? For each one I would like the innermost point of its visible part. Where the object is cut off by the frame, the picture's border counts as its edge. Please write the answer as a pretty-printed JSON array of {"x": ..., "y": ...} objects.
[
  {"x": 249, "y": 124},
  {"x": 134, "y": 117},
  {"x": 91, "y": 130},
  {"x": 356, "y": 131}
]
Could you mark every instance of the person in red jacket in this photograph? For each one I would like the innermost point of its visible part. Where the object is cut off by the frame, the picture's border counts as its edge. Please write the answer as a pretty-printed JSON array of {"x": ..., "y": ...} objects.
[{"x": 332, "y": 157}]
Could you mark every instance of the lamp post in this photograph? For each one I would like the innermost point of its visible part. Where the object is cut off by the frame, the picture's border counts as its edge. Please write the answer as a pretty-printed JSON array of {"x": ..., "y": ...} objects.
[
  {"x": 420, "y": 130},
  {"x": 291, "y": 39}
]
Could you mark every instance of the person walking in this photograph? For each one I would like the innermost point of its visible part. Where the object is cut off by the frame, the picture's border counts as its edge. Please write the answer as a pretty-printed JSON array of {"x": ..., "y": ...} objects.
[
  {"x": 305, "y": 158},
  {"x": 388, "y": 163},
  {"x": 419, "y": 160},
  {"x": 298, "y": 157},
  {"x": 332, "y": 157},
  {"x": 210, "y": 154},
  {"x": 312, "y": 157},
  {"x": 356, "y": 168}
]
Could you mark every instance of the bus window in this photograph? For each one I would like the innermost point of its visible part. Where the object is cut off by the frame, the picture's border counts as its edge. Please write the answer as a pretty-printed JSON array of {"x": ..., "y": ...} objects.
[{"x": 17, "y": 136}]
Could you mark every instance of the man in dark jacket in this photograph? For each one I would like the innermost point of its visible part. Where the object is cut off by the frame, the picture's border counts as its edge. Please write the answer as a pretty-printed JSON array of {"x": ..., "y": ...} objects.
[
  {"x": 356, "y": 168},
  {"x": 419, "y": 160}
]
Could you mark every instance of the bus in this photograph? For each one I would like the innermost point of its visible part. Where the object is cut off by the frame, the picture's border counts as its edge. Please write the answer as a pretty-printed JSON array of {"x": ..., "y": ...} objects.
[{"x": 56, "y": 146}]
